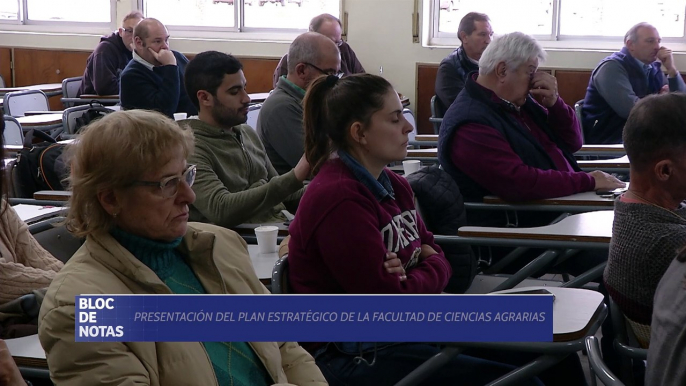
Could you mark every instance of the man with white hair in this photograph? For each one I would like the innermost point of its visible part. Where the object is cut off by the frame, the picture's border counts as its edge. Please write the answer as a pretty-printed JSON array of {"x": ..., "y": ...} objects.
[
  {"x": 622, "y": 79},
  {"x": 510, "y": 134}
]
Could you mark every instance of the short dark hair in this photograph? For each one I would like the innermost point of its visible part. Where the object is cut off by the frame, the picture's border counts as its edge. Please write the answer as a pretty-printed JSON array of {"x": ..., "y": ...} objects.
[
  {"x": 133, "y": 15},
  {"x": 467, "y": 23},
  {"x": 655, "y": 130},
  {"x": 317, "y": 21},
  {"x": 206, "y": 72}
]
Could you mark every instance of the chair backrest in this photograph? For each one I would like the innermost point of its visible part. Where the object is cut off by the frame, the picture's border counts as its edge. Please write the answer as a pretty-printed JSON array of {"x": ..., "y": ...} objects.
[
  {"x": 625, "y": 344},
  {"x": 52, "y": 235},
  {"x": 280, "y": 283},
  {"x": 435, "y": 119},
  {"x": 70, "y": 89},
  {"x": 18, "y": 102},
  {"x": 69, "y": 117},
  {"x": 253, "y": 113},
  {"x": 598, "y": 367},
  {"x": 407, "y": 113},
  {"x": 577, "y": 109},
  {"x": 13, "y": 134}
]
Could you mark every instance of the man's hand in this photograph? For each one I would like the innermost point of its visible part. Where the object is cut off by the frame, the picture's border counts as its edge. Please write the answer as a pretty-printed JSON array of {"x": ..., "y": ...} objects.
[
  {"x": 302, "y": 169},
  {"x": 665, "y": 56},
  {"x": 604, "y": 181},
  {"x": 544, "y": 88},
  {"x": 664, "y": 89},
  {"x": 165, "y": 57}
]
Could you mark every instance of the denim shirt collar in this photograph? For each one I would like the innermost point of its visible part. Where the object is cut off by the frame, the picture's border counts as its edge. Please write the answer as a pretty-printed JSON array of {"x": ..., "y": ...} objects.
[{"x": 380, "y": 188}]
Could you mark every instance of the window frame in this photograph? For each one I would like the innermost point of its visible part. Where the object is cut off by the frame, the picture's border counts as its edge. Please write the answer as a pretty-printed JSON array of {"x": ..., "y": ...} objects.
[
  {"x": 240, "y": 31},
  {"x": 23, "y": 23},
  {"x": 554, "y": 40}
]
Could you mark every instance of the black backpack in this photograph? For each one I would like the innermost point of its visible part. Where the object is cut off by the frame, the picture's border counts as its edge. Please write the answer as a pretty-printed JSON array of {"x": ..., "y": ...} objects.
[
  {"x": 95, "y": 112},
  {"x": 40, "y": 166}
]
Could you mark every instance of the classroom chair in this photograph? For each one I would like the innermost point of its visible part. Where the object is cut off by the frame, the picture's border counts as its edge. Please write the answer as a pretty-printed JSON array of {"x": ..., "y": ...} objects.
[
  {"x": 577, "y": 109},
  {"x": 436, "y": 116},
  {"x": 598, "y": 368},
  {"x": 18, "y": 102},
  {"x": 69, "y": 119},
  {"x": 52, "y": 235},
  {"x": 253, "y": 113},
  {"x": 13, "y": 135},
  {"x": 280, "y": 283},
  {"x": 626, "y": 344},
  {"x": 70, "y": 90}
]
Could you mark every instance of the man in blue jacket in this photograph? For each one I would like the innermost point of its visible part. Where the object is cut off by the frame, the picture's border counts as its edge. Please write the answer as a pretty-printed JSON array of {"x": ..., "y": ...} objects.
[
  {"x": 153, "y": 79},
  {"x": 475, "y": 34},
  {"x": 623, "y": 78}
]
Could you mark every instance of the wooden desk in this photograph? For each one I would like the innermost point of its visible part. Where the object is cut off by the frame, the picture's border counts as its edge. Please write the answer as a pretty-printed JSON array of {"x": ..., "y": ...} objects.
[
  {"x": 27, "y": 351},
  {"x": 614, "y": 165},
  {"x": 87, "y": 98},
  {"x": 573, "y": 310},
  {"x": 52, "y": 195},
  {"x": 249, "y": 229},
  {"x": 423, "y": 153},
  {"x": 11, "y": 149},
  {"x": 40, "y": 120},
  {"x": 258, "y": 97},
  {"x": 426, "y": 137},
  {"x": 589, "y": 227},
  {"x": 603, "y": 150},
  {"x": 50, "y": 89},
  {"x": 575, "y": 203}
]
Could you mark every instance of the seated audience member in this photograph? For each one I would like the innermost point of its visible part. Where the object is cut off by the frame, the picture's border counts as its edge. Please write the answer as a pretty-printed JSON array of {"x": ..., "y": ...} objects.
[
  {"x": 153, "y": 79},
  {"x": 235, "y": 183},
  {"x": 329, "y": 26},
  {"x": 24, "y": 264},
  {"x": 508, "y": 133},
  {"x": 347, "y": 236},
  {"x": 109, "y": 59},
  {"x": 667, "y": 352},
  {"x": 9, "y": 372},
  {"x": 622, "y": 79},
  {"x": 280, "y": 121},
  {"x": 650, "y": 218},
  {"x": 131, "y": 188},
  {"x": 475, "y": 34}
]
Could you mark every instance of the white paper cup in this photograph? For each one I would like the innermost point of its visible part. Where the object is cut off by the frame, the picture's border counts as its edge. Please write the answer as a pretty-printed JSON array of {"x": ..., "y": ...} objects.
[
  {"x": 266, "y": 238},
  {"x": 411, "y": 166},
  {"x": 180, "y": 116}
]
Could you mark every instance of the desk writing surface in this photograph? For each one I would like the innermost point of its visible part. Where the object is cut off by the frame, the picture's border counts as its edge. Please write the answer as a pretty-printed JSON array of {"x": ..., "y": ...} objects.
[
  {"x": 589, "y": 227},
  {"x": 30, "y": 213},
  {"x": 40, "y": 120},
  {"x": 53, "y": 195},
  {"x": 27, "y": 351},
  {"x": 611, "y": 148},
  {"x": 263, "y": 263},
  {"x": 426, "y": 137},
  {"x": 13, "y": 148},
  {"x": 621, "y": 162},
  {"x": 585, "y": 198},
  {"x": 573, "y": 310},
  {"x": 45, "y": 87},
  {"x": 431, "y": 152},
  {"x": 258, "y": 97}
]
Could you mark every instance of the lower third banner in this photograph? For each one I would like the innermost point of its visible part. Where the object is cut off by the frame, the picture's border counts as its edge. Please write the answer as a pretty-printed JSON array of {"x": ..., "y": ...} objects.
[{"x": 314, "y": 318}]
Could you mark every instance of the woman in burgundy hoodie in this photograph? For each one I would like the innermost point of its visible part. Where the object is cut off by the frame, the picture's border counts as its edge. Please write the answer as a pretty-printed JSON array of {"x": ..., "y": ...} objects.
[{"x": 357, "y": 229}]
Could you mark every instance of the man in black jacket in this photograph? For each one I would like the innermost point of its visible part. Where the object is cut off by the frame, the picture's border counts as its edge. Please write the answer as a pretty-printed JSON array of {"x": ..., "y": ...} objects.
[
  {"x": 475, "y": 34},
  {"x": 109, "y": 59}
]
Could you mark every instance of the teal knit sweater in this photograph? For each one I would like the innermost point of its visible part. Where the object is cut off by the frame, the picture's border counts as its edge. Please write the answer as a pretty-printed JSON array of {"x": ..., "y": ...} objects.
[{"x": 234, "y": 363}]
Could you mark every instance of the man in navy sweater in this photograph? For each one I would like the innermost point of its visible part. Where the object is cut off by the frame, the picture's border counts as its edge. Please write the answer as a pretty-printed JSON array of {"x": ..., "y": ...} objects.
[{"x": 153, "y": 79}]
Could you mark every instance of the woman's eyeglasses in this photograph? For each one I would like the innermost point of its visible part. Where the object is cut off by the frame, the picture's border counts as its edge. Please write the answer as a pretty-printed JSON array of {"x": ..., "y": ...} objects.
[{"x": 169, "y": 186}]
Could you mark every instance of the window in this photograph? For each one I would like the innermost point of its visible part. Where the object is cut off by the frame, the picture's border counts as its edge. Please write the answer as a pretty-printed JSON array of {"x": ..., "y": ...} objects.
[
  {"x": 95, "y": 12},
  {"x": 239, "y": 15},
  {"x": 562, "y": 19}
]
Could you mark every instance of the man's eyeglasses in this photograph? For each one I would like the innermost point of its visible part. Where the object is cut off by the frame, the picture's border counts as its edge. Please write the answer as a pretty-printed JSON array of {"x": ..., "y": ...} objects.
[
  {"x": 169, "y": 186},
  {"x": 337, "y": 73},
  {"x": 128, "y": 30}
]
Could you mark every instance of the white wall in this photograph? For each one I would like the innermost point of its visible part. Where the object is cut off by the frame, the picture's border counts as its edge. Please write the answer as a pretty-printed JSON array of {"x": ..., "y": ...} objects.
[{"x": 380, "y": 31}]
